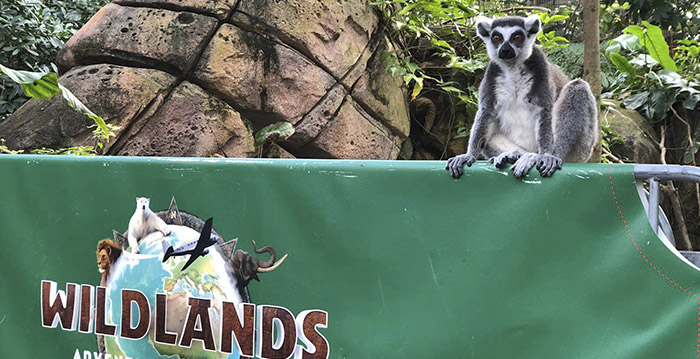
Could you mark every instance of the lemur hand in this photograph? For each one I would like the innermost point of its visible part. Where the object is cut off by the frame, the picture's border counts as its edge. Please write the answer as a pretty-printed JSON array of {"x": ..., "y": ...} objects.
[
  {"x": 455, "y": 164},
  {"x": 523, "y": 165},
  {"x": 548, "y": 164},
  {"x": 504, "y": 158}
]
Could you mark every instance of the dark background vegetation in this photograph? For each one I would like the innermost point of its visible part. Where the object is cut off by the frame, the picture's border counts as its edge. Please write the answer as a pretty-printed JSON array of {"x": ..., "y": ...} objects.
[{"x": 31, "y": 33}]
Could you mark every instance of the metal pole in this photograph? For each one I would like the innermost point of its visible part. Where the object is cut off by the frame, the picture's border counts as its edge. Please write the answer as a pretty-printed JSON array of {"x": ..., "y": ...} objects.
[
  {"x": 667, "y": 172},
  {"x": 654, "y": 204}
]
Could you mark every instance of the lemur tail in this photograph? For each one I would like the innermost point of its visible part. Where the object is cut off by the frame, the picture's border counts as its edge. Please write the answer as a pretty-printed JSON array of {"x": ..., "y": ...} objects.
[{"x": 575, "y": 119}]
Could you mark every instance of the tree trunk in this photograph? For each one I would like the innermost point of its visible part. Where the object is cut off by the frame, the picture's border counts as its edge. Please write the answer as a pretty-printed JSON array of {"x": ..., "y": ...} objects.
[{"x": 591, "y": 60}]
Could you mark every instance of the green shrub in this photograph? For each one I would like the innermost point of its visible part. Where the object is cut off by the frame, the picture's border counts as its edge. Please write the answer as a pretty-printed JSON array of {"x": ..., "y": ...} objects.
[
  {"x": 31, "y": 34},
  {"x": 570, "y": 60}
]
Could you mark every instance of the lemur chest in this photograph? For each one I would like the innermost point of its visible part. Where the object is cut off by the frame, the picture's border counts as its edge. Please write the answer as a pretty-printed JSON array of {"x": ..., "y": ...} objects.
[{"x": 516, "y": 115}]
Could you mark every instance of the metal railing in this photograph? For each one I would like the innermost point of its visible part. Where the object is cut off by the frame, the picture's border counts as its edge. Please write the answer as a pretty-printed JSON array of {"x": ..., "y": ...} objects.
[{"x": 657, "y": 219}]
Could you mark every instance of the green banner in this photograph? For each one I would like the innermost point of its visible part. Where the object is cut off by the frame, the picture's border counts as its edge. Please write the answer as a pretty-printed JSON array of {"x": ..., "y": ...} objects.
[{"x": 384, "y": 259}]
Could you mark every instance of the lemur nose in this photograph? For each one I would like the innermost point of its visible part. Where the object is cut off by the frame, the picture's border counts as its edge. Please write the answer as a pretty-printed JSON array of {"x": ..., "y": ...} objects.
[{"x": 506, "y": 52}]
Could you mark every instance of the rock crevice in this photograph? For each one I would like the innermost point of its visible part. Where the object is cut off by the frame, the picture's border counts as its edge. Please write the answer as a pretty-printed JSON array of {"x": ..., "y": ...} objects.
[{"x": 197, "y": 77}]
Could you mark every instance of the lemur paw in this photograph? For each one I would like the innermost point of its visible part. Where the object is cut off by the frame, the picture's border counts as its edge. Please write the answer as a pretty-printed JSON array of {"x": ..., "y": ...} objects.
[
  {"x": 548, "y": 164},
  {"x": 506, "y": 157},
  {"x": 523, "y": 165},
  {"x": 455, "y": 164}
]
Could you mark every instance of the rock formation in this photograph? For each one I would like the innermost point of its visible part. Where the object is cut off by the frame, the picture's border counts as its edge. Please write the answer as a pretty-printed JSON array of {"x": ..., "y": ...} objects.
[{"x": 198, "y": 77}]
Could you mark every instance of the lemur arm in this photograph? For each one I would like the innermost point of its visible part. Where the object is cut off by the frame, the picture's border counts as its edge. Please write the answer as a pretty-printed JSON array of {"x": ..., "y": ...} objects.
[
  {"x": 543, "y": 130},
  {"x": 479, "y": 133},
  {"x": 545, "y": 161},
  {"x": 477, "y": 139},
  {"x": 481, "y": 129}
]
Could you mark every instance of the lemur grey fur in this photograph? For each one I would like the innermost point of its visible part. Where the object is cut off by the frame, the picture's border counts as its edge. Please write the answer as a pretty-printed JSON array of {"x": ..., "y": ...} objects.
[{"x": 529, "y": 112}]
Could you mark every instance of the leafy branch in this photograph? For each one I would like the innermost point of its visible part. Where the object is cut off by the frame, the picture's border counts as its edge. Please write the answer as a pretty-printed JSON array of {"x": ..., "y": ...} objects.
[{"x": 41, "y": 85}]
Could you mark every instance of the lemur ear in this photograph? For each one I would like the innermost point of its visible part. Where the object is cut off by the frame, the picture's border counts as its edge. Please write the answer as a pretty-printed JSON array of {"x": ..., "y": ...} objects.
[
  {"x": 533, "y": 24},
  {"x": 483, "y": 27}
]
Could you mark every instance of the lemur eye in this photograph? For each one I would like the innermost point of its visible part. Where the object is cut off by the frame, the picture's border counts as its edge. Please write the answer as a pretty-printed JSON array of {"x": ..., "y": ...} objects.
[
  {"x": 496, "y": 38},
  {"x": 518, "y": 37}
]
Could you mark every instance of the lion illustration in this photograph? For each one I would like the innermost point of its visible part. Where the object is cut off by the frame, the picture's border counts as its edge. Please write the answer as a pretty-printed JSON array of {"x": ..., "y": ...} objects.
[{"x": 107, "y": 253}]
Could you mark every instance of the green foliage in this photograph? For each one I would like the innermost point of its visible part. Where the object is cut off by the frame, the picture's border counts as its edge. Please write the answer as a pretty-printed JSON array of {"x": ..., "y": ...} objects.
[
  {"x": 45, "y": 85},
  {"x": 34, "y": 84},
  {"x": 622, "y": 64},
  {"x": 653, "y": 83},
  {"x": 103, "y": 136},
  {"x": 432, "y": 38},
  {"x": 609, "y": 138},
  {"x": 277, "y": 132},
  {"x": 687, "y": 56},
  {"x": 436, "y": 52},
  {"x": 32, "y": 31},
  {"x": 31, "y": 34},
  {"x": 462, "y": 130},
  {"x": 569, "y": 59},
  {"x": 623, "y": 42},
  {"x": 612, "y": 18},
  {"x": 5, "y": 150},
  {"x": 549, "y": 40},
  {"x": 70, "y": 151},
  {"x": 648, "y": 81},
  {"x": 10, "y": 96},
  {"x": 667, "y": 13},
  {"x": 42, "y": 85},
  {"x": 653, "y": 40}
]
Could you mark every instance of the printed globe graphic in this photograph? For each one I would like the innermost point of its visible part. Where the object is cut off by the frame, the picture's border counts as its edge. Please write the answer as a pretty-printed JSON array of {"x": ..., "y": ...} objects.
[{"x": 207, "y": 277}]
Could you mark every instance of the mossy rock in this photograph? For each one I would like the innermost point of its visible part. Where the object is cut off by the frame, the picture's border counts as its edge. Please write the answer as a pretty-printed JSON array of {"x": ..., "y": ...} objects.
[{"x": 199, "y": 77}]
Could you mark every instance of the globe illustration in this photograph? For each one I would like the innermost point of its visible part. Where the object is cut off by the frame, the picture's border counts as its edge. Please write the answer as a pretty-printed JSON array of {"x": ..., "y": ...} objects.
[{"x": 208, "y": 277}]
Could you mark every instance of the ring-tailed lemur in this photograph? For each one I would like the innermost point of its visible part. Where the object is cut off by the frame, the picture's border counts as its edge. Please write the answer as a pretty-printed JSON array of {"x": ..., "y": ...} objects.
[{"x": 529, "y": 112}]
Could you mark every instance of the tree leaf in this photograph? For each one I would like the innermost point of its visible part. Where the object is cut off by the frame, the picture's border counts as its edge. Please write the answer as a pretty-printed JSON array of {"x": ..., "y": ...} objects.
[
  {"x": 417, "y": 87},
  {"x": 689, "y": 152},
  {"x": 277, "y": 132},
  {"x": 622, "y": 64},
  {"x": 42, "y": 85},
  {"x": 657, "y": 46},
  {"x": 441, "y": 43},
  {"x": 635, "y": 30},
  {"x": 624, "y": 41},
  {"x": 451, "y": 89},
  {"x": 555, "y": 18},
  {"x": 643, "y": 60},
  {"x": 672, "y": 79},
  {"x": 691, "y": 101},
  {"x": 635, "y": 101},
  {"x": 653, "y": 40},
  {"x": 659, "y": 103},
  {"x": 78, "y": 106},
  {"x": 35, "y": 84}
]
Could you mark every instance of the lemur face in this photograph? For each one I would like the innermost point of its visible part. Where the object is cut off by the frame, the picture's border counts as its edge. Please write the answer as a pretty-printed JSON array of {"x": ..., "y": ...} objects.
[
  {"x": 142, "y": 203},
  {"x": 509, "y": 39}
]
